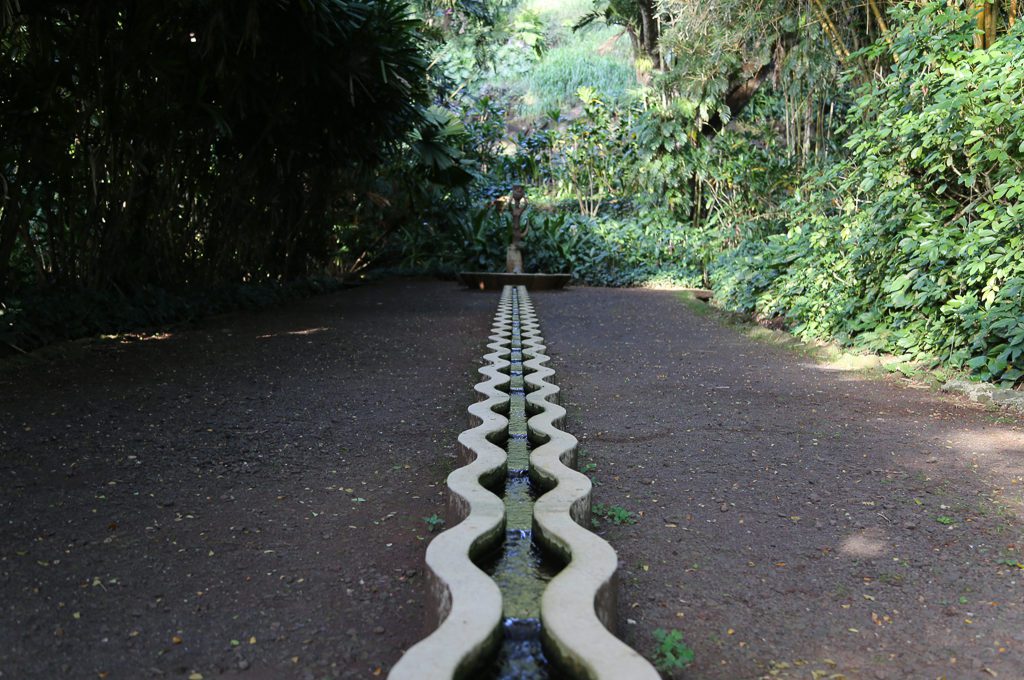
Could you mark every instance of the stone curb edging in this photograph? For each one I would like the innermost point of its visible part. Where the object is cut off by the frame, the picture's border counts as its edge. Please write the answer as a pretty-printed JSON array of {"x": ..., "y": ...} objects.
[
  {"x": 986, "y": 393},
  {"x": 467, "y": 602},
  {"x": 578, "y": 606}
]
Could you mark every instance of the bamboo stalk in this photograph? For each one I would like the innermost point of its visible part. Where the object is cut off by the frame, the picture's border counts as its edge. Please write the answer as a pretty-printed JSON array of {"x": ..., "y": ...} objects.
[
  {"x": 830, "y": 28},
  {"x": 991, "y": 19},
  {"x": 880, "y": 20},
  {"x": 981, "y": 7}
]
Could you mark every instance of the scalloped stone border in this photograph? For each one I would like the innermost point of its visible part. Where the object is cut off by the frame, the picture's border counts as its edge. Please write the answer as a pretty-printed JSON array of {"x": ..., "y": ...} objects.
[
  {"x": 578, "y": 606},
  {"x": 466, "y": 601}
]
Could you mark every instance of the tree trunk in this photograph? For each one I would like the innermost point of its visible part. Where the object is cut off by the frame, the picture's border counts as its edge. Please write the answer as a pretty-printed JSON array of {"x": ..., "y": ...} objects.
[
  {"x": 8, "y": 235},
  {"x": 643, "y": 76},
  {"x": 738, "y": 97},
  {"x": 991, "y": 19},
  {"x": 37, "y": 256},
  {"x": 980, "y": 33},
  {"x": 634, "y": 41},
  {"x": 649, "y": 32}
]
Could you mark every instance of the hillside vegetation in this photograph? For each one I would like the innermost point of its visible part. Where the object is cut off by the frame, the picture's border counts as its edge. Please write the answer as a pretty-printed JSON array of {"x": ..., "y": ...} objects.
[{"x": 850, "y": 170}]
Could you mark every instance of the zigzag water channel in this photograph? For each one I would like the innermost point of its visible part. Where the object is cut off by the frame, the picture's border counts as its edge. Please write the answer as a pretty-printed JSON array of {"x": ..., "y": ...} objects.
[
  {"x": 520, "y": 568},
  {"x": 521, "y": 588}
]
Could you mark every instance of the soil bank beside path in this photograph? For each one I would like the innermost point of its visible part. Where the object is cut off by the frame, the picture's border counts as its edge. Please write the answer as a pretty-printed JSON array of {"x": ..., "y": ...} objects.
[
  {"x": 793, "y": 521},
  {"x": 246, "y": 498}
]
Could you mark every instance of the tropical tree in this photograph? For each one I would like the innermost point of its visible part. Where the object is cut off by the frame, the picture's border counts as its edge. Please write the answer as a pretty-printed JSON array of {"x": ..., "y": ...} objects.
[{"x": 190, "y": 143}]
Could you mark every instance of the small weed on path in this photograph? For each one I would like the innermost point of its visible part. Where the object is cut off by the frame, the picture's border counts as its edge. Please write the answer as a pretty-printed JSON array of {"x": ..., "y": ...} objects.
[
  {"x": 671, "y": 653},
  {"x": 434, "y": 523},
  {"x": 616, "y": 514}
]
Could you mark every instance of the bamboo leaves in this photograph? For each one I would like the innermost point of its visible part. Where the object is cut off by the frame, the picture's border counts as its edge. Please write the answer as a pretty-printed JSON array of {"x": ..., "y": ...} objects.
[{"x": 186, "y": 143}]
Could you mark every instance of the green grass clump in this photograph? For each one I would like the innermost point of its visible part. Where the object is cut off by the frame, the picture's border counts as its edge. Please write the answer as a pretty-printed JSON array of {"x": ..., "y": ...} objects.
[{"x": 554, "y": 82}]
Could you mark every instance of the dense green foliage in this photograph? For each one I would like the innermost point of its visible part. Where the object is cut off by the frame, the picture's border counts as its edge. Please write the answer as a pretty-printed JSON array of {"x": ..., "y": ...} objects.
[
  {"x": 862, "y": 184},
  {"x": 180, "y": 142},
  {"x": 565, "y": 69},
  {"x": 913, "y": 243},
  {"x": 605, "y": 251},
  {"x": 160, "y": 149},
  {"x": 852, "y": 170}
]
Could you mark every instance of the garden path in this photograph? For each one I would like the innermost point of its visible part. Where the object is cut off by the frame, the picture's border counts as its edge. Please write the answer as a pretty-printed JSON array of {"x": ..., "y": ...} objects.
[
  {"x": 797, "y": 520},
  {"x": 247, "y": 497}
]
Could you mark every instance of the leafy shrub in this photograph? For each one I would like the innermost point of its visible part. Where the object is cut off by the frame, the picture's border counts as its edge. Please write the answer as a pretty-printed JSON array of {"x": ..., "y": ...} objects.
[
  {"x": 239, "y": 135},
  {"x": 603, "y": 251},
  {"x": 912, "y": 244},
  {"x": 592, "y": 150}
]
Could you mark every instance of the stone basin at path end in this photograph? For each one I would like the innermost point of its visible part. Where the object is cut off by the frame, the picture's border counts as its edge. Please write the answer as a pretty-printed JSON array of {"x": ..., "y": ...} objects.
[{"x": 495, "y": 280}]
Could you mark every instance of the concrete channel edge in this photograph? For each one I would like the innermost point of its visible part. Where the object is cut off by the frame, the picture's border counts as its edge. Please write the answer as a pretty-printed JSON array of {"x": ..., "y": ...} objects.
[
  {"x": 578, "y": 606},
  {"x": 467, "y": 602}
]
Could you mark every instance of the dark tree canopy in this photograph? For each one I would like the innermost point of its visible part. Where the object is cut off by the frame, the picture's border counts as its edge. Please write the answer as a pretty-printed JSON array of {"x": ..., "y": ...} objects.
[{"x": 186, "y": 142}]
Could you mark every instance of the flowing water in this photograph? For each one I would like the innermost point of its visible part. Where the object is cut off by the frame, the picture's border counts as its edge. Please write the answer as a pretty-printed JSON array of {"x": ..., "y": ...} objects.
[{"x": 520, "y": 569}]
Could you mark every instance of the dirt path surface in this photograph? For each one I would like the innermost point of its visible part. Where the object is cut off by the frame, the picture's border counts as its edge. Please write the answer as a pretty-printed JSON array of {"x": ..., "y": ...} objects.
[
  {"x": 793, "y": 521},
  {"x": 247, "y": 498},
  {"x": 242, "y": 498}
]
